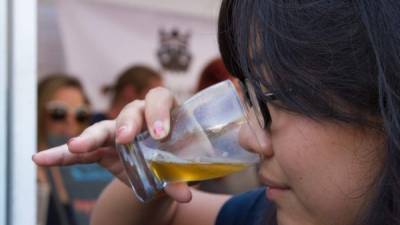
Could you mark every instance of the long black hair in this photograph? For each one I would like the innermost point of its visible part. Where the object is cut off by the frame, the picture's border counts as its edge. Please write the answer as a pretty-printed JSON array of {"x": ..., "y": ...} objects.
[{"x": 332, "y": 59}]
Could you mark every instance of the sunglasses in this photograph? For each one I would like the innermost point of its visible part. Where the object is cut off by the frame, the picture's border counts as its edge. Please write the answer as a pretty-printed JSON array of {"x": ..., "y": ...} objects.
[
  {"x": 58, "y": 112},
  {"x": 258, "y": 96}
]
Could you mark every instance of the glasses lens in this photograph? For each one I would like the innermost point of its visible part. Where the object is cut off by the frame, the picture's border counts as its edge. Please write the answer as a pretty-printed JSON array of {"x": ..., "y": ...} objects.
[
  {"x": 259, "y": 106},
  {"x": 58, "y": 113},
  {"x": 81, "y": 115}
]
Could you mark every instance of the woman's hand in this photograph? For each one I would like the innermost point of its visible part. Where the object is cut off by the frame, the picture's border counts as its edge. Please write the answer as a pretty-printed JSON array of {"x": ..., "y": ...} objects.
[{"x": 97, "y": 142}]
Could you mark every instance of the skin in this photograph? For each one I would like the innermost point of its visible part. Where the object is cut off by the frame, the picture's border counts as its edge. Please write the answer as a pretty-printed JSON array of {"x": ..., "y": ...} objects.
[{"x": 318, "y": 172}]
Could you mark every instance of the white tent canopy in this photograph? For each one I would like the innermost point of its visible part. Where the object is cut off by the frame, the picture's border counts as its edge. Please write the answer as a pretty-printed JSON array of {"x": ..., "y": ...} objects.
[
  {"x": 202, "y": 8},
  {"x": 100, "y": 38}
]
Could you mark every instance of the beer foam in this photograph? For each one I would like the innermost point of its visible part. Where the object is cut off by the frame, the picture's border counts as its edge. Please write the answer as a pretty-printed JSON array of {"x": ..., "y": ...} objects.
[
  {"x": 157, "y": 155},
  {"x": 216, "y": 160}
]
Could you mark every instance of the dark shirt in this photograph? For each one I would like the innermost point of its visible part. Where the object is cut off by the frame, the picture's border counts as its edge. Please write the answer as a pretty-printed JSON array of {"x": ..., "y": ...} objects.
[
  {"x": 97, "y": 117},
  {"x": 248, "y": 208},
  {"x": 59, "y": 216}
]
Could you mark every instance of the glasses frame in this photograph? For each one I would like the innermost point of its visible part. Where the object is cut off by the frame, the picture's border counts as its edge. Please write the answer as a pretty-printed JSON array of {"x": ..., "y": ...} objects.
[
  {"x": 56, "y": 105},
  {"x": 258, "y": 96}
]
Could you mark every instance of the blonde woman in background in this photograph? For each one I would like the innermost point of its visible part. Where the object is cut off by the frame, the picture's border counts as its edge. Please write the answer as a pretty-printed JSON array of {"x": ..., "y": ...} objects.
[{"x": 63, "y": 112}]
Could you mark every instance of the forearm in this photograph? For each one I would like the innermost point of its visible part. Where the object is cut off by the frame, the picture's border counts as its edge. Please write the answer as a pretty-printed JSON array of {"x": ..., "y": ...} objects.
[{"x": 117, "y": 205}]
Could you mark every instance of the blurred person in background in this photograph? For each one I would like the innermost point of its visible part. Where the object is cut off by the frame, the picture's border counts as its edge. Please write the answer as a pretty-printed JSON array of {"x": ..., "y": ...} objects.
[
  {"x": 215, "y": 72},
  {"x": 133, "y": 83},
  {"x": 63, "y": 112}
]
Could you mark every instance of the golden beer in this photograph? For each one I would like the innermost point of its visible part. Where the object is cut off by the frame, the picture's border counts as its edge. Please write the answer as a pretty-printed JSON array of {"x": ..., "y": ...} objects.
[{"x": 184, "y": 172}]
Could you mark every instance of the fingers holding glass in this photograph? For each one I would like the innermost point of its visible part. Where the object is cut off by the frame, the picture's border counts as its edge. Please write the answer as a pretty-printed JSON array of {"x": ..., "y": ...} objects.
[
  {"x": 159, "y": 102},
  {"x": 129, "y": 122}
]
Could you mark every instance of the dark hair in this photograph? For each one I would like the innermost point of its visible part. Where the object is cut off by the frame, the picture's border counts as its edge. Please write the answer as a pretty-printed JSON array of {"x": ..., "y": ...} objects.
[
  {"x": 213, "y": 73},
  {"x": 337, "y": 60},
  {"x": 139, "y": 76}
]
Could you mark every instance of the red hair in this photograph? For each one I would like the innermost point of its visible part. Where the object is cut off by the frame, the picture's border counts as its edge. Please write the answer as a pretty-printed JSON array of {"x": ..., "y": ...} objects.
[{"x": 214, "y": 72}]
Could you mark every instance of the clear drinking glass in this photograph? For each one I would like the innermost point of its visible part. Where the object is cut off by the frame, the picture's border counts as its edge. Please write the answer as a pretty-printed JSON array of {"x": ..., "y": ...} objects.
[{"x": 203, "y": 143}]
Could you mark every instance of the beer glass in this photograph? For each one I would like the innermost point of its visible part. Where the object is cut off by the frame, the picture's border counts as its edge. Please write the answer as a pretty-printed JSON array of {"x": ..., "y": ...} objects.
[{"x": 203, "y": 143}]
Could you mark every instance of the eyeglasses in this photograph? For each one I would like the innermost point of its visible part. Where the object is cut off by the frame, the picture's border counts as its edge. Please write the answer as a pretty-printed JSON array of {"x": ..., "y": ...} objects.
[
  {"x": 258, "y": 96},
  {"x": 58, "y": 112}
]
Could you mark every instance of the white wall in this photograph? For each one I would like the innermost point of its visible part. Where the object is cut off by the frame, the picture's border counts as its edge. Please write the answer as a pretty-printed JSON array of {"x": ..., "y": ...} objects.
[
  {"x": 50, "y": 49},
  {"x": 22, "y": 112},
  {"x": 17, "y": 112},
  {"x": 3, "y": 112}
]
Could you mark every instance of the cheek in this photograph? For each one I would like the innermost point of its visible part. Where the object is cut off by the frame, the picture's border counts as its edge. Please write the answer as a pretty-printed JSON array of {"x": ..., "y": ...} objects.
[
  {"x": 75, "y": 129},
  {"x": 54, "y": 127},
  {"x": 325, "y": 168}
]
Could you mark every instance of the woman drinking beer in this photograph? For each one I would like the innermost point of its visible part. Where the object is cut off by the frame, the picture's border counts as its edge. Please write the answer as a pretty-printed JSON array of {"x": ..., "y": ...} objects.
[{"x": 325, "y": 78}]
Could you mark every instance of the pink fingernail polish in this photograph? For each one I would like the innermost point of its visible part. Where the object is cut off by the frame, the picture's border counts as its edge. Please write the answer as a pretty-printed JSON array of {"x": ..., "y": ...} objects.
[{"x": 158, "y": 128}]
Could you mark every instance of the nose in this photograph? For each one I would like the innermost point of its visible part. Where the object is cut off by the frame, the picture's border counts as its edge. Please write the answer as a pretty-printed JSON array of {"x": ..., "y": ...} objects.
[
  {"x": 256, "y": 140},
  {"x": 72, "y": 125}
]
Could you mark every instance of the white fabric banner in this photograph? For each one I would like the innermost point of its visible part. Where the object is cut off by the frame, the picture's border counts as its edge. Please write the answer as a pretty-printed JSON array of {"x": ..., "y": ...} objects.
[{"x": 102, "y": 39}]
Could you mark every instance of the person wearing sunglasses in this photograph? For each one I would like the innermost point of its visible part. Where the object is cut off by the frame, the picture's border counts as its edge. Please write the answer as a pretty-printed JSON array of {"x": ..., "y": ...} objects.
[
  {"x": 63, "y": 112},
  {"x": 323, "y": 80}
]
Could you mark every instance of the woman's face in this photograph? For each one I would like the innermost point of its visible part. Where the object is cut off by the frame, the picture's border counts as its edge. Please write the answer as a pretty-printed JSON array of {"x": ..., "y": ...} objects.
[
  {"x": 317, "y": 172},
  {"x": 67, "y": 101}
]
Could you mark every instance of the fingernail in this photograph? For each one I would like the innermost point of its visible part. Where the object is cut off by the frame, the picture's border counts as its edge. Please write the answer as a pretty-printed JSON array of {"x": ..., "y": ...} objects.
[
  {"x": 122, "y": 131},
  {"x": 71, "y": 140},
  {"x": 158, "y": 129}
]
